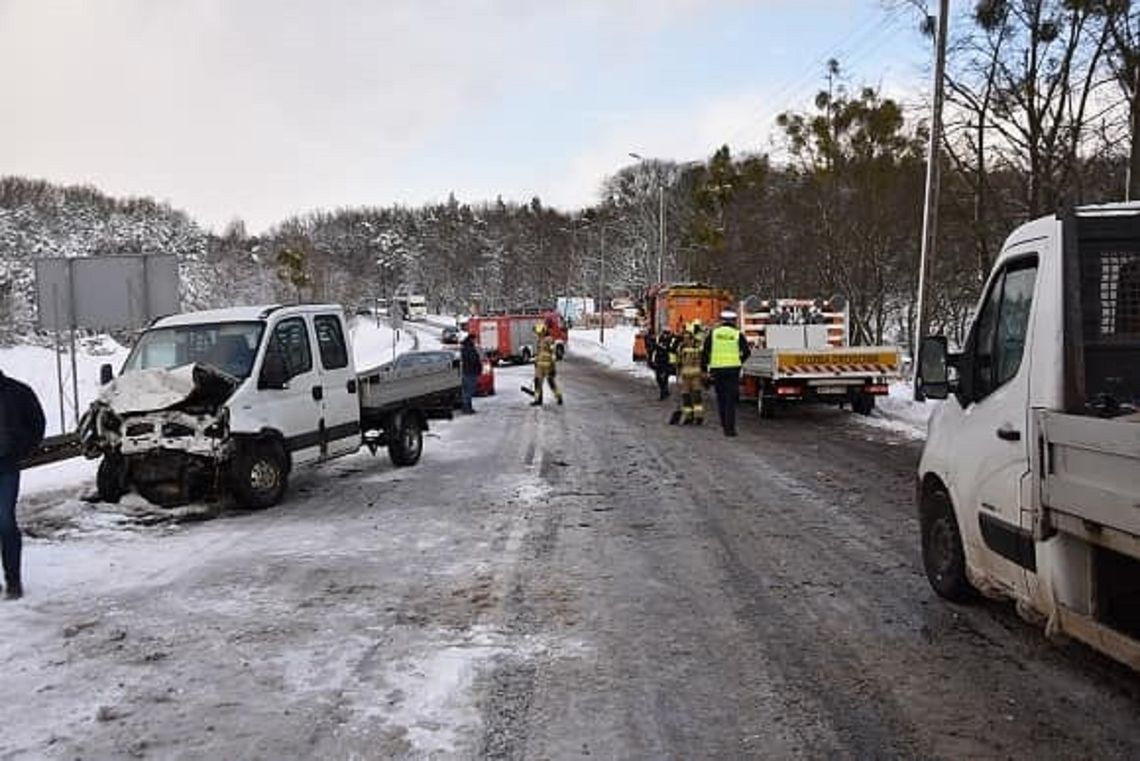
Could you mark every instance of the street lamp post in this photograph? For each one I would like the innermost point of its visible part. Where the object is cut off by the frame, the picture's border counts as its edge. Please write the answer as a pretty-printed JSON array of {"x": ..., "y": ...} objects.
[
  {"x": 602, "y": 290},
  {"x": 660, "y": 222}
]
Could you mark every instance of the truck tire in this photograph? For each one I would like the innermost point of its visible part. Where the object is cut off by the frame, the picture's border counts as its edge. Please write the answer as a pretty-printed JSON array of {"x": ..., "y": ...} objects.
[
  {"x": 943, "y": 558},
  {"x": 862, "y": 403},
  {"x": 524, "y": 356},
  {"x": 407, "y": 441},
  {"x": 766, "y": 403},
  {"x": 259, "y": 475},
  {"x": 559, "y": 351},
  {"x": 111, "y": 478}
]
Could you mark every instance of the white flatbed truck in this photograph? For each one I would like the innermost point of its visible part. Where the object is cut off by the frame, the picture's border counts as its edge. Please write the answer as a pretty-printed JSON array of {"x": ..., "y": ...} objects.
[
  {"x": 1029, "y": 483},
  {"x": 227, "y": 402},
  {"x": 800, "y": 353}
]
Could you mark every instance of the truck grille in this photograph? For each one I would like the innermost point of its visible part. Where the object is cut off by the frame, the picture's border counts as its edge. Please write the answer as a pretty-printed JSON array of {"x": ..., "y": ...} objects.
[
  {"x": 140, "y": 429},
  {"x": 176, "y": 430}
]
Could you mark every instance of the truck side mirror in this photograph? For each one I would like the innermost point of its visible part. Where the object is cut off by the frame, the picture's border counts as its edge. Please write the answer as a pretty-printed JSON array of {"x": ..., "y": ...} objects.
[
  {"x": 106, "y": 374},
  {"x": 932, "y": 381},
  {"x": 274, "y": 371}
]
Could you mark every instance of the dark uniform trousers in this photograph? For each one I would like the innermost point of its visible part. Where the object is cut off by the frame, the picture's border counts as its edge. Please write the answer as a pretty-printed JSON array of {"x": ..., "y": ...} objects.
[{"x": 726, "y": 381}]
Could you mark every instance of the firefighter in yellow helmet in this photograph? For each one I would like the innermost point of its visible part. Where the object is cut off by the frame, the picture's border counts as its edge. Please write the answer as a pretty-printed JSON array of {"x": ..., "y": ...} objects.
[
  {"x": 544, "y": 366},
  {"x": 689, "y": 370}
]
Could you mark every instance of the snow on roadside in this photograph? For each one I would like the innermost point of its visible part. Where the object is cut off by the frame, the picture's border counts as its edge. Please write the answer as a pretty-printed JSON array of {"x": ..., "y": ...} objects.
[
  {"x": 616, "y": 353},
  {"x": 900, "y": 412},
  {"x": 374, "y": 345},
  {"x": 35, "y": 365}
]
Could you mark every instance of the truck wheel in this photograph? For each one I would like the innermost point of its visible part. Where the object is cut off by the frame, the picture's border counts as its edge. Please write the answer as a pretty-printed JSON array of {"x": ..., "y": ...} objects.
[
  {"x": 259, "y": 475},
  {"x": 765, "y": 403},
  {"x": 559, "y": 351},
  {"x": 863, "y": 404},
  {"x": 524, "y": 357},
  {"x": 942, "y": 556},
  {"x": 111, "y": 478},
  {"x": 407, "y": 443}
]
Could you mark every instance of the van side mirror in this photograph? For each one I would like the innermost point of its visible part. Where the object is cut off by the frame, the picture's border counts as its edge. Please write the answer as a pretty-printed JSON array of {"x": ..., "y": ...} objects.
[
  {"x": 274, "y": 371},
  {"x": 932, "y": 380},
  {"x": 106, "y": 374}
]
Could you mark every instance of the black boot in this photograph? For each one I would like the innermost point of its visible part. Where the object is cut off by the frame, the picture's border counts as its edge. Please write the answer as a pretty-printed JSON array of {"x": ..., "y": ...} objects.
[{"x": 13, "y": 589}]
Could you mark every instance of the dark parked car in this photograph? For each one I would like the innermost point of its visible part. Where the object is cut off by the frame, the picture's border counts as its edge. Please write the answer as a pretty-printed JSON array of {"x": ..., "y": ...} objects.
[{"x": 450, "y": 335}]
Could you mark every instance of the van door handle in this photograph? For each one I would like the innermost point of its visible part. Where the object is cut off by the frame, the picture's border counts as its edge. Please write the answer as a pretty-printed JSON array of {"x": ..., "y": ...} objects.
[
  {"x": 1005, "y": 433},
  {"x": 352, "y": 386},
  {"x": 318, "y": 393}
]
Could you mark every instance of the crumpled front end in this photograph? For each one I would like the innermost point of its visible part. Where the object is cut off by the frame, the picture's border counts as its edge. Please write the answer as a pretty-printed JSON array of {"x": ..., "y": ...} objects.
[{"x": 170, "y": 455}]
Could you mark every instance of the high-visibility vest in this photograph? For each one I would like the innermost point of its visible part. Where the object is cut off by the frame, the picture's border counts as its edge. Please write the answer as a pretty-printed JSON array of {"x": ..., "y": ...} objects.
[{"x": 725, "y": 348}]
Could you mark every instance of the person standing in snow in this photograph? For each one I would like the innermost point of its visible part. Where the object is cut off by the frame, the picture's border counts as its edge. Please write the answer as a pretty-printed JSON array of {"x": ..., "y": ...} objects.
[
  {"x": 21, "y": 431},
  {"x": 472, "y": 366}
]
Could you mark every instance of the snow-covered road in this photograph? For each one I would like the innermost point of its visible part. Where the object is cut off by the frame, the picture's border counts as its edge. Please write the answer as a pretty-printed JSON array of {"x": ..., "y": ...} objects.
[{"x": 570, "y": 581}]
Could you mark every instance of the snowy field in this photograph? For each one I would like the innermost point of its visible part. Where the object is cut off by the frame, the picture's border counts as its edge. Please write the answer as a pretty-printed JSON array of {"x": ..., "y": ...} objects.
[{"x": 36, "y": 366}]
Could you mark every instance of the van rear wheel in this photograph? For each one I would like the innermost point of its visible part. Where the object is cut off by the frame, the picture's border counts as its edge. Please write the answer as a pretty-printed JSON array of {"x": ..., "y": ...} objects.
[
  {"x": 943, "y": 558},
  {"x": 407, "y": 441}
]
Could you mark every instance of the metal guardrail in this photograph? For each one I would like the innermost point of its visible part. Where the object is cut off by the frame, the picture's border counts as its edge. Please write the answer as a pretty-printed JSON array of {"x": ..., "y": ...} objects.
[{"x": 53, "y": 449}]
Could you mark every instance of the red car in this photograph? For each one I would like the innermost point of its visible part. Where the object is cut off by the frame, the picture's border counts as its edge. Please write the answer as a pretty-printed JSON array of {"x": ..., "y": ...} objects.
[{"x": 485, "y": 383}]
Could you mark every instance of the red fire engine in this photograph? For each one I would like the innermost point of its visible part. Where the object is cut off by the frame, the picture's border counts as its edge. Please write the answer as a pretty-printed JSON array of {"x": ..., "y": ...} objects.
[{"x": 511, "y": 337}]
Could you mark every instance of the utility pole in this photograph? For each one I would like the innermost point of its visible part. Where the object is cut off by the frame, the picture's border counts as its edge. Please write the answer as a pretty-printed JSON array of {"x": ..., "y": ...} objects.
[
  {"x": 930, "y": 216},
  {"x": 661, "y": 234},
  {"x": 602, "y": 289}
]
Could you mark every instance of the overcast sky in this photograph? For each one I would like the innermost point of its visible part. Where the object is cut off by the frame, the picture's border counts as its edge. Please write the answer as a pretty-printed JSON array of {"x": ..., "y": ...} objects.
[{"x": 258, "y": 109}]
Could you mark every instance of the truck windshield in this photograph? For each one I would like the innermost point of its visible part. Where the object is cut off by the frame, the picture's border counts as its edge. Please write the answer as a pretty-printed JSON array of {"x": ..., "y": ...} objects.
[{"x": 230, "y": 347}]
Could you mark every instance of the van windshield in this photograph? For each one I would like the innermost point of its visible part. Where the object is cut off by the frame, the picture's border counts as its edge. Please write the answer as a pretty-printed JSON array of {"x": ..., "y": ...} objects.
[{"x": 229, "y": 347}]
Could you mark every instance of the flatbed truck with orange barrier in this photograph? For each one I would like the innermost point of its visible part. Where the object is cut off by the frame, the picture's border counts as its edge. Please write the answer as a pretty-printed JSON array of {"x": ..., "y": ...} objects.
[{"x": 800, "y": 353}]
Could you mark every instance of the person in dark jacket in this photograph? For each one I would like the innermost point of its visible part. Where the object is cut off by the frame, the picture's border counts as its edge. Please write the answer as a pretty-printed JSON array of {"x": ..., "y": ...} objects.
[
  {"x": 471, "y": 365},
  {"x": 663, "y": 360},
  {"x": 21, "y": 431}
]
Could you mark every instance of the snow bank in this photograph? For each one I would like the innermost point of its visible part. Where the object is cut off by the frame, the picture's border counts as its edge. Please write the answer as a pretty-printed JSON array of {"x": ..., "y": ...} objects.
[
  {"x": 616, "y": 353},
  {"x": 35, "y": 366},
  {"x": 900, "y": 412},
  {"x": 374, "y": 345}
]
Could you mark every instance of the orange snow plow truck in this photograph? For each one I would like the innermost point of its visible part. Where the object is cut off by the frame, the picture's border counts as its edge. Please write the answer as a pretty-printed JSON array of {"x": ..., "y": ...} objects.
[{"x": 675, "y": 305}]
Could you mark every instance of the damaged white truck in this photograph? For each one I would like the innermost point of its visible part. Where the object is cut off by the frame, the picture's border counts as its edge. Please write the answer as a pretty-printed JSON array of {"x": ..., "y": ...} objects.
[{"x": 225, "y": 403}]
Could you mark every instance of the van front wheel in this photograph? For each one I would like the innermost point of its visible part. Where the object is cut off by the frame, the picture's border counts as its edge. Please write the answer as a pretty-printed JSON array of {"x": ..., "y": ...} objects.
[
  {"x": 942, "y": 556},
  {"x": 259, "y": 475}
]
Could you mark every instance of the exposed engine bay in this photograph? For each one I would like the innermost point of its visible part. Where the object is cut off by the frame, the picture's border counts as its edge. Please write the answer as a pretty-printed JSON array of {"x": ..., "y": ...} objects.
[{"x": 155, "y": 427}]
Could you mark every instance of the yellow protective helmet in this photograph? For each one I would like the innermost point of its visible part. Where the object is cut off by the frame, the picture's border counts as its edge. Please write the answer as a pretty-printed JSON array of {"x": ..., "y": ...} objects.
[{"x": 539, "y": 328}]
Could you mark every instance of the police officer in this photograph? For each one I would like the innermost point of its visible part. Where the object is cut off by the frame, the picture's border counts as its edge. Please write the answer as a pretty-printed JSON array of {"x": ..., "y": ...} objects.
[{"x": 725, "y": 350}]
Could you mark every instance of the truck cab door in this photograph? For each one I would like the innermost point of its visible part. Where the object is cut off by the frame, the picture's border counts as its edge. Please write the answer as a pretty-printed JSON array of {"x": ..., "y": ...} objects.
[
  {"x": 295, "y": 409},
  {"x": 340, "y": 406},
  {"x": 991, "y": 447}
]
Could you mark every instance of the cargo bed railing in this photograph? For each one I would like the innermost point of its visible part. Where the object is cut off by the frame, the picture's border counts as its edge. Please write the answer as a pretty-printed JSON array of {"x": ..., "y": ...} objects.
[{"x": 1087, "y": 468}]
